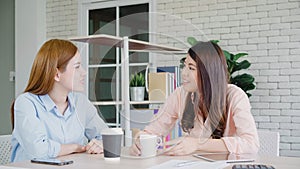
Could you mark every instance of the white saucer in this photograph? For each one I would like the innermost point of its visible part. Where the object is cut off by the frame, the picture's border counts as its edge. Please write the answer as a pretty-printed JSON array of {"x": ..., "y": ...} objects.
[{"x": 125, "y": 154}]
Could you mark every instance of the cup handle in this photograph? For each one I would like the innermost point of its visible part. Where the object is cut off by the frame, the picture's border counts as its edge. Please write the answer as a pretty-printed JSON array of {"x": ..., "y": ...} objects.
[{"x": 158, "y": 142}]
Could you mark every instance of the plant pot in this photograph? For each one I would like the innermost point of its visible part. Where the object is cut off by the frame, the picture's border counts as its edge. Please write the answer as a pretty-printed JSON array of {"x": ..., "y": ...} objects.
[{"x": 137, "y": 93}]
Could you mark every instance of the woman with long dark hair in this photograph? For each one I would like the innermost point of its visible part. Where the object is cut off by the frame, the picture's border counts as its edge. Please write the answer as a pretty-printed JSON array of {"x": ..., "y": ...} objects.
[{"x": 215, "y": 116}]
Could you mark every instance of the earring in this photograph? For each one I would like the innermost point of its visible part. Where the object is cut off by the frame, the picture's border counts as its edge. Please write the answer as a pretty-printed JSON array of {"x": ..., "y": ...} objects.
[{"x": 192, "y": 97}]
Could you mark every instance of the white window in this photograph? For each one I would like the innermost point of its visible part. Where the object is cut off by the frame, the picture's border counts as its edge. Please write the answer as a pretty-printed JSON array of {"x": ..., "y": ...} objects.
[{"x": 118, "y": 18}]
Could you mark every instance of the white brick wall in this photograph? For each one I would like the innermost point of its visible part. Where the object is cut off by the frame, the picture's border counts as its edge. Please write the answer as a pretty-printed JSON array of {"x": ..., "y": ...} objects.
[
  {"x": 61, "y": 18},
  {"x": 268, "y": 30}
]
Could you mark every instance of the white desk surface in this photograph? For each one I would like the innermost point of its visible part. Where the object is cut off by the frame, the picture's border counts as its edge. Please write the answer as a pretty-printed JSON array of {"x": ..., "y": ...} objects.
[{"x": 96, "y": 161}]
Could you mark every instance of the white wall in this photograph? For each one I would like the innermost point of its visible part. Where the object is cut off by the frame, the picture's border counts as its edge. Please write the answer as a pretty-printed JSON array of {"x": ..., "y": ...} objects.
[
  {"x": 30, "y": 34},
  {"x": 7, "y": 62}
]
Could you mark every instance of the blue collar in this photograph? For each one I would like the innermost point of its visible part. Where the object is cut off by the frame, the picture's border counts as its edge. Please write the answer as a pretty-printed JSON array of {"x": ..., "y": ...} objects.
[{"x": 50, "y": 105}]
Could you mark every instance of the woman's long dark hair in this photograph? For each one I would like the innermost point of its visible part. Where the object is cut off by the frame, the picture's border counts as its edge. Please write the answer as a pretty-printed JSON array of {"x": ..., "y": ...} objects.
[{"x": 210, "y": 99}]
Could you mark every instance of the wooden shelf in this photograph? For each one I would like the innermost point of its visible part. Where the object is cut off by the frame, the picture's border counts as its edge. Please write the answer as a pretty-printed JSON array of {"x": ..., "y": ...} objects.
[{"x": 134, "y": 45}]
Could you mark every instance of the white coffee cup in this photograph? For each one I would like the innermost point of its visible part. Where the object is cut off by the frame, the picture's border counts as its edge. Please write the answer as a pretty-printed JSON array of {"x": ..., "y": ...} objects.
[
  {"x": 149, "y": 144},
  {"x": 112, "y": 140}
]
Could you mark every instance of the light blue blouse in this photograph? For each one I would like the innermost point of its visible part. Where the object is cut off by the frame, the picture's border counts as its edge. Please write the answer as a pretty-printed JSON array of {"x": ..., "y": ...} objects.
[{"x": 39, "y": 128}]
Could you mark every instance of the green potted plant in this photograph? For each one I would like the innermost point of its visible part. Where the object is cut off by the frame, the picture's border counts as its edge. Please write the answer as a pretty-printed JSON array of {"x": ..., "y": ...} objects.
[
  {"x": 245, "y": 81},
  {"x": 137, "y": 87}
]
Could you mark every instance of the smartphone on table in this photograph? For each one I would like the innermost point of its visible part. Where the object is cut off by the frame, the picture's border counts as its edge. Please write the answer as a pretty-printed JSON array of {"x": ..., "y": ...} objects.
[
  {"x": 228, "y": 157},
  {"x": 51, "y": 161}
]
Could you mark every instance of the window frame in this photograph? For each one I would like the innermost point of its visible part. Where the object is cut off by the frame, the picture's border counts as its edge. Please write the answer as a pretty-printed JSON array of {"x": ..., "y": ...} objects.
[{"x": 83, "y": 30}]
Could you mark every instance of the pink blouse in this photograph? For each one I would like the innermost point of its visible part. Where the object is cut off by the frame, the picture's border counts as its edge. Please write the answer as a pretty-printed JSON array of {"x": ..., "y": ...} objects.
[{"x": 240, "y": 135}]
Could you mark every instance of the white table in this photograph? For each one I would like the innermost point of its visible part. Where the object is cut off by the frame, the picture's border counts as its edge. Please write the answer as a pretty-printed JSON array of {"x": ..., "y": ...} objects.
[{"x": 92, "y": 161}]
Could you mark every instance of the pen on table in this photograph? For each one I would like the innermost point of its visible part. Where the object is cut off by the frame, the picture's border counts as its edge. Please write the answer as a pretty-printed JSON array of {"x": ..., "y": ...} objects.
[
  {"x": 185, "y": 163},
  {"x": 240, "y": 161}
]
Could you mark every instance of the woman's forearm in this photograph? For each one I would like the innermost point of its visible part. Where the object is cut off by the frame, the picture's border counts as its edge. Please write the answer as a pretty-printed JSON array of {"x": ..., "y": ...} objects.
[
  {"x": 212, "y": 145},
  {"x": 70, "y": 148}
]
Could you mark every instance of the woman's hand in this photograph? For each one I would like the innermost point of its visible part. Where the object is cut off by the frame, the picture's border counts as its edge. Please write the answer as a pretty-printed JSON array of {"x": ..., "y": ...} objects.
[
  {"x": 78, "y": 148},
  {"x": 94, "y": 147},
  {"x": 135, "y": 149},
  {"x": 182, "y": 146}
]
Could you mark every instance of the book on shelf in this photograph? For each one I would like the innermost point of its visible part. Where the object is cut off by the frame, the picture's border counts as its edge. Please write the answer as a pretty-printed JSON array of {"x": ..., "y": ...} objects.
[
  {"x": 160, "y": 86},
  {"x": 175, "y": 70},
  {"x": 163, "y": 82},
  {"x": 174, "y": 133}
]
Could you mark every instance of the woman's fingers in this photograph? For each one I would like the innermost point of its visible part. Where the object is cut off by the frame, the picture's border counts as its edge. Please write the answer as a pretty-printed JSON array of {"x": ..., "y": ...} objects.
[
  {"x": 94, "y": 147},
  {"x": 134, "y": 150},
  {"x": 175, "y": 149}
]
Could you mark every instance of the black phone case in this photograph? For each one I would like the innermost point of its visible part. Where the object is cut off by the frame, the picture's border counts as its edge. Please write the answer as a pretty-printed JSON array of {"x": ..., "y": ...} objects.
[{"x": 51, "y": 162}]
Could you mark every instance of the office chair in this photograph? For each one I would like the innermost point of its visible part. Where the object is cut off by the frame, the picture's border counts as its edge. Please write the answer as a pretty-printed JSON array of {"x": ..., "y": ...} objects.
[
  {"x": 5, "y": 149},
  {"x": 269, "y": 143}
]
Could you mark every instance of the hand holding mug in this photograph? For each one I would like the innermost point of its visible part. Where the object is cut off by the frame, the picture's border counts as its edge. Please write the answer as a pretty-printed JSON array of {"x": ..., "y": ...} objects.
[
  {"x": 149, "y": 144},
  {"x": 145, "y": 145}
]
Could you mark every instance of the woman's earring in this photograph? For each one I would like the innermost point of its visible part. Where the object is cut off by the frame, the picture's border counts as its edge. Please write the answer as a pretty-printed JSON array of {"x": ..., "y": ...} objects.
[{"x": 192, "y": 97}]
